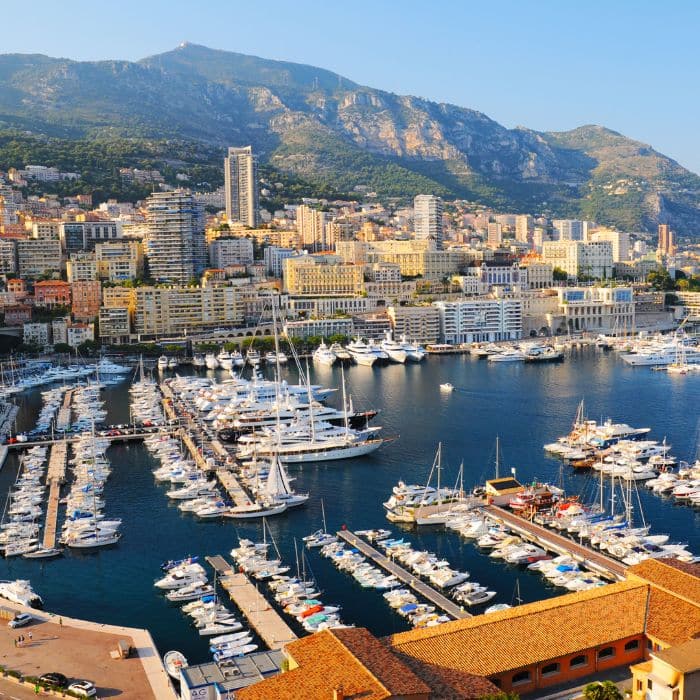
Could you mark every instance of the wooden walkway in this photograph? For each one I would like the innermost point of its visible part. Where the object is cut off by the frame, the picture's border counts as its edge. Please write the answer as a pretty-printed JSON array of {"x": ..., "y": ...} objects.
[
  {"x": 420, "y": 587},
  {"x": 63, "y": 418},
  {"x": 262, "y": 617},
  {"x": 552, "y": 542},
  {"x": 55, "y": 476},
  {"x": 220, "y": 565}
]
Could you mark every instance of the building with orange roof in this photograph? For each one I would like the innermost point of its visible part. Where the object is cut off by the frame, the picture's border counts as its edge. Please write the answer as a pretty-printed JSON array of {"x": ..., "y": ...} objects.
[
  {"x": 338, "y": 664},
  {"x": 86, "y": 299},
  {"x": 49, "y": 294}
]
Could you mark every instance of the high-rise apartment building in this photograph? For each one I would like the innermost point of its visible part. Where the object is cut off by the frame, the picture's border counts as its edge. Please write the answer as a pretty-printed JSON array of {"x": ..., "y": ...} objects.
[
  {"x": 427, "y": 218},
  {"x": 175, "y": 242},
  {"x": 494, "y": 236},
  {"x": 241, "y": 186},
  {"x": 523, "y": 228},
  {"x": 667, "y": 244},
  {"x": 570, "y": 229},
  {"x": 620, "y": 241},
  {"x": 311, "y": 225}
]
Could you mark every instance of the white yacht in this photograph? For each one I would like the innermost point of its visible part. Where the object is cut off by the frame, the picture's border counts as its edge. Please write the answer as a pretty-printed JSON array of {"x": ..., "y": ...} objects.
[
  {"x": 173, "y": 363},
  {"x": 361, "y": 353},
  {"x": 414, "y": 352},
  {"x": 210, "y": 361},
  {"x": 252, "y": 357},
  {"x": 162, "y": 363},
  {"x": 324, "y": 355},
  {"x": 198, "y": 361},
  {"x": 394, "y": 349},
  {"x": 105, "y": 366},
  {"x": 508, "y": 356},
  {"x": 237, "y": 358},
  {"x": 225, "y": 360}
]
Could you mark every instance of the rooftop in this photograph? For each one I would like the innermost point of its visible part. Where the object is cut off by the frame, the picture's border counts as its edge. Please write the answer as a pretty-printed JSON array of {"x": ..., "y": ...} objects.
[
  {"x": 684, "y": 657},
  {"x": 671, "y": 575},
  {"x": 348, "y": 659},
  {"x": 489, "y": 644}
]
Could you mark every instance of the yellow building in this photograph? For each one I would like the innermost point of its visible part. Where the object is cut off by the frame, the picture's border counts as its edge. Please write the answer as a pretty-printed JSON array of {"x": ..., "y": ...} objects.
[
  {"x": 672, "y": 674},
  {"x": 318, "y": 276}
]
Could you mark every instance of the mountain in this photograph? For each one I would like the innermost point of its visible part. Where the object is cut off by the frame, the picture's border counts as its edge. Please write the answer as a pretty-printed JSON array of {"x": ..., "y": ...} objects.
[{"x": 333, "y": 132}]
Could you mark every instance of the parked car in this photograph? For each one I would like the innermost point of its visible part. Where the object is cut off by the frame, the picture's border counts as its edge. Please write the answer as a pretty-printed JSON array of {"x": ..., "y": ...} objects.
[
  {"x": 54, "y": 678},
  {"x": 83, "y": 688},
  {"x": 20, "y": 620}
]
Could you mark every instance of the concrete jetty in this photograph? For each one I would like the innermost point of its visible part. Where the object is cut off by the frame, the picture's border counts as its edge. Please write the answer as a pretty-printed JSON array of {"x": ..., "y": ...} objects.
[
  {"x": 419, "y": 586},
  {"x": 55, "y": 476},
  {"x": 261, "y": 616}
]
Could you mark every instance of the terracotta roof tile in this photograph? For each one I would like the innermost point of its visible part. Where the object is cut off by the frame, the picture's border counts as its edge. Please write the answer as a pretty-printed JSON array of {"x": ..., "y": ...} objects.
[
  {"x": 336, "y": 659},
  {"x": 670, "y": 619},
  {"x": 672, "y": 575},
  {"x": 489, "y": 644}
]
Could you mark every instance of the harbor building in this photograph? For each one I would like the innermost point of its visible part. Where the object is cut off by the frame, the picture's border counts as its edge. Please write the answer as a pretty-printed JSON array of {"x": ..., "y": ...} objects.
[
  {"x": 427, "y": 219},
  {"x": 480, "y": 320},
  {"x": 241, "y": 186},
  {"x": 597, "y": 308},
  {"x": 420, "y": 324},
  {"x": 175, "y": 243},
  {"x": 579, "y": 259}
]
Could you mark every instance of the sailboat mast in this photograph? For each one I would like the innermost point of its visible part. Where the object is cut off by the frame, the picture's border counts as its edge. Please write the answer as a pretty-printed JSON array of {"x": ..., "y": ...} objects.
[
  {"x": 497, "y": 457},
  {"x": 323, "y": 516}
]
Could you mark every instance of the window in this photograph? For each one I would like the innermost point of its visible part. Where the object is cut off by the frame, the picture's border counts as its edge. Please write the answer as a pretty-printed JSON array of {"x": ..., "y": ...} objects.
[
  {"x": 606, "y": 653},
  {"x": 522, "y": 677},
  {"x": 649, "y": 683},
  {"x": 579, "y": 661},
  {"x": 550, "y": 670},
  {"x": 639, "y": 686},
  {"x": 632, "y": 646}
]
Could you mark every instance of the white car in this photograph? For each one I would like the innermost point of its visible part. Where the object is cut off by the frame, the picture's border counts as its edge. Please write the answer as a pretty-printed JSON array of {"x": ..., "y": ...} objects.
[
  {"x": 83, "y": 688},
  {"x": 20, "y": 620}
]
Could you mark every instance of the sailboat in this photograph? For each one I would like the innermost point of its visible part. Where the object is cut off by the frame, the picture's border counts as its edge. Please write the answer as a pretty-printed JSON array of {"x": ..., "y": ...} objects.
[
  {"x": 277, "y": 487},
  {"x": 320, "y": 538}
]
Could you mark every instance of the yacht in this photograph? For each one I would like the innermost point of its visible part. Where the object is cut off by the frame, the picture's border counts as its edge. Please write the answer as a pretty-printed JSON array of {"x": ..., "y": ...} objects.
[
  {"x": 324, "y": 355},
  {"x": 20, "y": 592},
  {"x": 162, "y": 363},
  {"x": 361, "y": 353},
  {"x": 225, "y": 360},
  {"x": 508, "y": 356},
  {"x": 447, "y": 387},
  {"x": 198, "y": 361},
  {"x": 340, "y": 352},
  {"x": 256, "y": 510},
  {"x": 173, "y": 363},
  {"x": 395, "y": 350},
  {"x": 237, "y": 359},
  {"x": 252, "y": 357},
  {"x": 210, "y": 361},
  {"x": 414, "y": 352},
  {"x": 105, "y": 366},
  {"x": 272, "y": 358}
]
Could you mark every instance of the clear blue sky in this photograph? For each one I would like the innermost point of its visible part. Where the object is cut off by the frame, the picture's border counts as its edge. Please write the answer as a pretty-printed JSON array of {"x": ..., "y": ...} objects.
[{"x": 629, "y": 65}]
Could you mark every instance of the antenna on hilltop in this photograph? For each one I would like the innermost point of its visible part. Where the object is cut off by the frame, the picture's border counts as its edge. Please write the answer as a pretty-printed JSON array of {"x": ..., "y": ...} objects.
[{"x": 316, "y": 83}]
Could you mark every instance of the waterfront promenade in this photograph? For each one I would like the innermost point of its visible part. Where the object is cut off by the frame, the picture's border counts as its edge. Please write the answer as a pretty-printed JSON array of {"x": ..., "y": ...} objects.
[
  {"x": 263, "y": 618},
  {"x": 420, "y": 587},
  {"x": 552, "y": 542}
]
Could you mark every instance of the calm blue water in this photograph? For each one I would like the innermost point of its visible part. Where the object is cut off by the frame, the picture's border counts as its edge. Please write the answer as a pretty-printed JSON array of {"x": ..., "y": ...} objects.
[{"x": 526, "y": 405}]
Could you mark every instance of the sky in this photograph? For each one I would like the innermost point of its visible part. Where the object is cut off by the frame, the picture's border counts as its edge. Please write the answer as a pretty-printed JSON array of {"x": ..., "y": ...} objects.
[{"x": 630, "y": 65}]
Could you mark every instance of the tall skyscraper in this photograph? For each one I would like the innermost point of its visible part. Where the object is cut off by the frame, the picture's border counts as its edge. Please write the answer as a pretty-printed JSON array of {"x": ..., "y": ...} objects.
[
  {"x": 427, "y": 218},
  {"x": 8, "y": 207},
  {"x": 523, "y": 228},
  {"x": 175, "y": 242},
  {"x": 494, "y": 235},
  {"x": 241, "y": 186},
  {"x": 569, "y": 230},
  {"x": 666, "y": 243},
  {"x": 311, "y": 225}
]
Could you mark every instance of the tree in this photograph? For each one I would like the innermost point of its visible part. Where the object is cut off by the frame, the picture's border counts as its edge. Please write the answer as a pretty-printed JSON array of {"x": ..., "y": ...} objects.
[
  {"x": 605, "y": 690},
  {"x": 559, "y": 275},
  {"x": 62, "y": 348},
  {"x": 501, "y": 695},
  {"x": 660, "y": 280}
]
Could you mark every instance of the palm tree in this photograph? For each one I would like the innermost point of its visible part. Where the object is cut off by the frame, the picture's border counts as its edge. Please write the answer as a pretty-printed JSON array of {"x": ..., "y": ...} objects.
[{"x": 605, "y": 690}]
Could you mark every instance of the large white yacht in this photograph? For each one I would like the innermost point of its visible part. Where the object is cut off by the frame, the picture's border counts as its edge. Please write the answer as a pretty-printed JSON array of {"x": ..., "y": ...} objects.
[
  {"x": 361, "y": 353},
  {"x": 324, "y": 355},
  {"x": 394, "y": 349}
]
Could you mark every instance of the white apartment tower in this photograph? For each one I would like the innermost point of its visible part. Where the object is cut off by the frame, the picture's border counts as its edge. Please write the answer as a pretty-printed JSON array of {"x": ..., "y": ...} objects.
[
  {"x": 175, "y": 242},
  {"x": 311, "y": 225},
  {"x": 241, "y": 186},
  {"x": 427, "y": 218}
]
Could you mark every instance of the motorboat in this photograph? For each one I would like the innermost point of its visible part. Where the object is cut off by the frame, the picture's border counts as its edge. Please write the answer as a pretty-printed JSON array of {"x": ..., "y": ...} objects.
[
  {"x": 361, "y": 353},
  {"x": 210, "y": 361},
  {"x": 162, "y": 363},
  {"x": 395, "y": 350},
  {"x": 414, "y": 352},
  {"x": 447, "y": 387},
  {"x": 174, "y": 661},
  {"x": 225, "y": 360},
  {"x": 324, "y": 355}
]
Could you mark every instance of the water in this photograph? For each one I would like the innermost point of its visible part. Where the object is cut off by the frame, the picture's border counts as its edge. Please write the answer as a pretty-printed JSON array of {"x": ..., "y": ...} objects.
[{"x": 526, "y": 405}]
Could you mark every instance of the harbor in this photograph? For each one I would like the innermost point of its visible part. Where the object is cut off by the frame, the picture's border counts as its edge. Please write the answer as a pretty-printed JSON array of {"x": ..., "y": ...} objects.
[{"x": 540, "y": 401}]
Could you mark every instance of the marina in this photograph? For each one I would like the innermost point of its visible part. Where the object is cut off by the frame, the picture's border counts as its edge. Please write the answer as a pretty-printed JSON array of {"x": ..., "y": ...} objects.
[{"x": 539, "y": 398}]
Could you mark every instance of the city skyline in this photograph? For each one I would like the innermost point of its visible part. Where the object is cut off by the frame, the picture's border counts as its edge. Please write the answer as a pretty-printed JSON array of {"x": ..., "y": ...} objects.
[{"x": 547, "y": 67}]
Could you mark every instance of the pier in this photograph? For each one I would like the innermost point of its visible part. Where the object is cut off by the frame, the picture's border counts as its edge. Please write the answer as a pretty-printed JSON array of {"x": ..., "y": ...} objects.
[
  {"x": 8, "y": 413},
  {"x": 55, "y": 476},
  {"x": 63, "y": 419},
  {"x": 552, "y": 542},
  {"x": 261, "y": 616},
  {"x": 230, "y": 484},
  {"x": 420, "y": 587}
]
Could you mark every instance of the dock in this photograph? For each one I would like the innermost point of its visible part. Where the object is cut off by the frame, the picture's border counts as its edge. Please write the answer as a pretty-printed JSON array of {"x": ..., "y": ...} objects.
[
  {"x": 595, "y": 561},
  {"x": 55, "y": 476},
  {"x": 64, "y": 413},
  {"x": 261, "y": 616},
  {"x": 230, "y": 484},
  {"x": 419, "y": 586}
]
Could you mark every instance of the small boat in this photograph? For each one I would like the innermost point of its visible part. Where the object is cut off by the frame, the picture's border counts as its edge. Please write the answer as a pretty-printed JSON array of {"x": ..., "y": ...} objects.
[
  {"x": 47, "y": 553},
  {"x": 447, "y": 387},
  {"x": 174, "y": 661}
]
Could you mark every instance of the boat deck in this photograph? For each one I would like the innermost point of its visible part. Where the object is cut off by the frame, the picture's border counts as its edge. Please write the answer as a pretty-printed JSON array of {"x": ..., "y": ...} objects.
[
  {"x": 55, "y": 476},
  {"x": 419, "y": 586},
  {"x": 552, "y": 542},
  {"x": 262, "y": 617}
]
